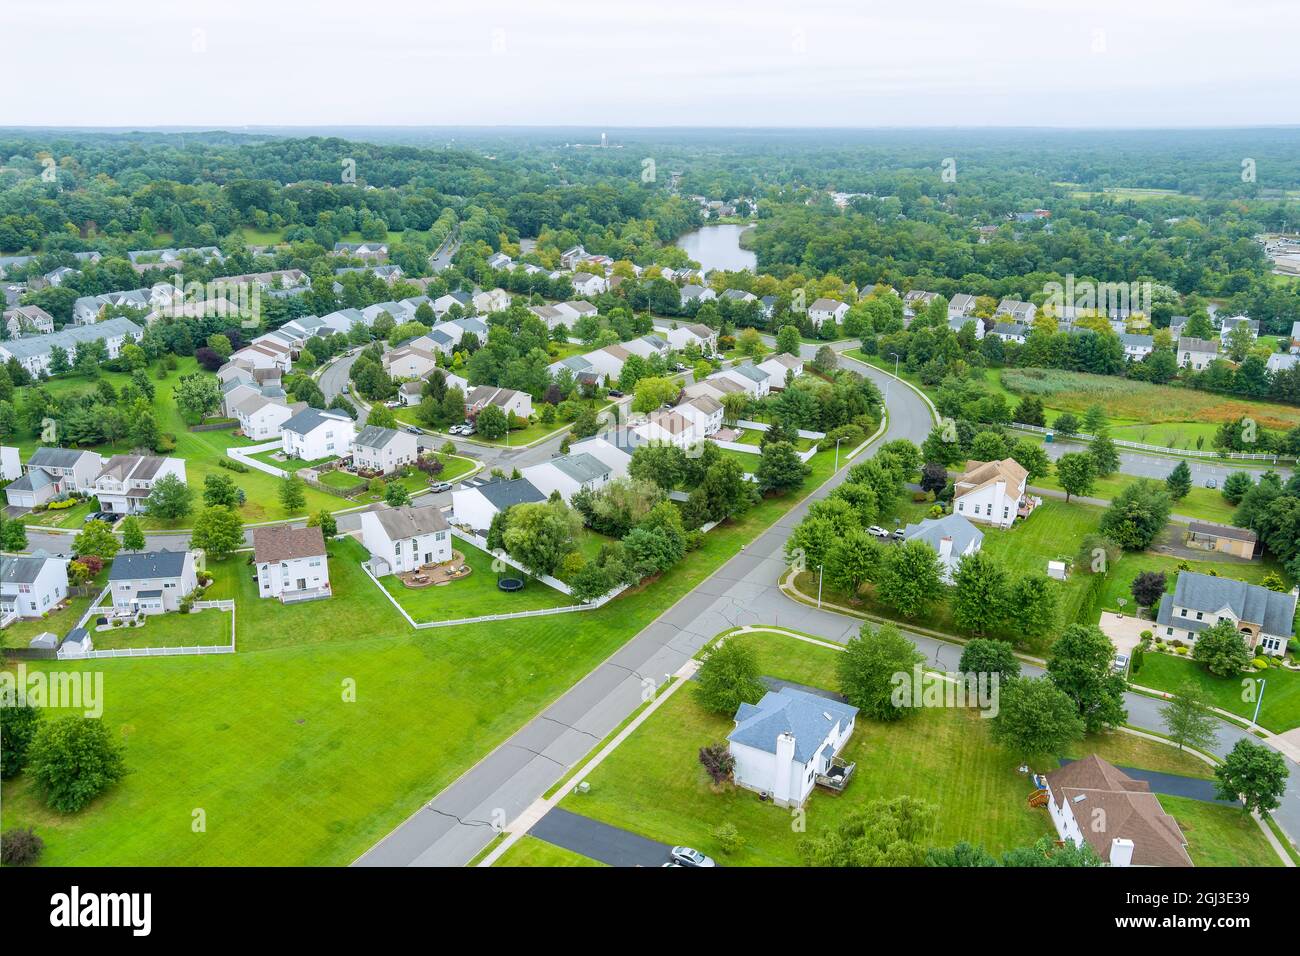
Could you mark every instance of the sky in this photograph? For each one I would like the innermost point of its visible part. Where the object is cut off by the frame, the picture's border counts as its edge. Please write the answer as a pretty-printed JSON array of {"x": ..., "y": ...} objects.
[{"x": 235, "y": 63}]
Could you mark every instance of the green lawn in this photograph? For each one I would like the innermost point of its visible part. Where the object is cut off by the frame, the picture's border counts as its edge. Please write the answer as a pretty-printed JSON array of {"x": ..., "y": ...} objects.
[
  {"x": 209, "y": 627},
  {"x": 1279, "y": 712},
  {"x": 530, "y": 851},
  {"x": 1219, "y": 835},
  {"x": 1055, "y": 531},
  {"x": 473, "y": 596},
  {"x": 1129, "y": 750},
  {"x": 289, "y": 767},
  {"x": 70, "y": 518},
  {"x": 1205, "y": 504},
  {"x": 654, "y": 785}
]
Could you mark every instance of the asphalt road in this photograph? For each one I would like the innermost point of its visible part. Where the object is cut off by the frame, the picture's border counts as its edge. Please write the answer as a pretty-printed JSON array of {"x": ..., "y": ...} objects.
[{"x": 1159, "y": 466}]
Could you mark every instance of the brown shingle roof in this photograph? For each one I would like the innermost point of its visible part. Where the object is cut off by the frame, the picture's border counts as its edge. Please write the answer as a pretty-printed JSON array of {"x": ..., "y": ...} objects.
[{"x": 283, "y": 543}]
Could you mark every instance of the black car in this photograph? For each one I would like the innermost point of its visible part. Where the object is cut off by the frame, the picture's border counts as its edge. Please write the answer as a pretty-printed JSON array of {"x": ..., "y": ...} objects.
[{"x": 615, "y": 393}]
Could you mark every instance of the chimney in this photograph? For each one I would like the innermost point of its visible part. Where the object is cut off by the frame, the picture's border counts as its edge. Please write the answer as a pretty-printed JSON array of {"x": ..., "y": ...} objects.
[
  {"x": 1121, "y": 852},
  {"x": 945, "y": 549},
  {"x": 782, "y": 785}
]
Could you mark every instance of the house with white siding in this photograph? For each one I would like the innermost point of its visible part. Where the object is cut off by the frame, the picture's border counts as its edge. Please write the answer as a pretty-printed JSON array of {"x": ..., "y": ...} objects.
[
  {"x": 704, "y": 412},
  {"x": 313, "y": 434},
  {"x": 384, "y": 450},
  {"x": 509, "y": 400},
  {"x": 125, "y": 482},
  {"x": 778, "y": 366},
  {"x": 33, "y": 352},
  {"x": 152, "y": 581},
  {"x": 788, "y": 741},
  {"x": 32, "y": 585},
  {"x": 1196, "y": 353},
  {"x": 993, "y": 492},
  {"x": 292, "y": 563},
  {"x": 52, "y": 472},
  {"x": 474, "y": 506},
  {"x": 952, "y": 537},
  {"x": 749, "y": 377},
  {"x": 697, "y": 334},
  {"x": 827, "y": 310},
  {"x": 261, "y": 417},
  {"x": 405, "y": 539},
  {"x": 569, "y": 473}
]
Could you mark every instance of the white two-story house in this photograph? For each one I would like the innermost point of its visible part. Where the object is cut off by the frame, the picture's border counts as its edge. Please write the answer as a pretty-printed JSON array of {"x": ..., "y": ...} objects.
[
  {"x": 405, "y": 539},
  {"x": 312, "y": 434},
  {"x": 292, "y": 563},
  {"x": 827, "y": 310},
  {"x": 952, "y": 537},
  {"x": 993, "y": 492},
  {"x": 384, "y": 450},
  {"x": 124, "y": 484},
  {"x": 152, "y": 581},
  {"x": 569, "y": 473},
  {"x": 52, "y": 472},
  {"x": 32, "y": 585}
]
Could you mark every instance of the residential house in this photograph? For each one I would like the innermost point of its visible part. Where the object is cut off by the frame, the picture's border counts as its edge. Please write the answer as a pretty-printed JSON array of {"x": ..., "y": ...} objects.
[
  {"x": 384, "y": 450},
  {"x": 1281, "y": 361},
  {"x": 1195, "y": 353},
  {"x": 1295, "y": 338},
  {"x": 993, "y": 492},
  {"x": 697, "y": 334},
  {"x": 697, "y": 294},
  {"x": 584, "y": 283},
  {"x": 551, "y": 316},
  {"x": 499, "y": 260},
  {"x": 704, "y": 412},
  {"x": 569, "y": 473},
  {"x": 152, "y": 582},
  {"x": 370, "y": 251},
  {"x": 474, "y": 506},
  {"x": 33, "y": 353},
  {"x": 1265, "y": 618},
  {"x": 125, "y": 482},
  {"x": 576, "y": 309},
  {"x": 261, "y": 417},
  {"x": 28, "y": 320},
  {"x": 613, "y": 447},
  {"x": 669, "y": 427},
  {"x": 312, "y": 434},
  {"x": 778, "y": 367},
  {"x": 405, "y": 539},
  {"x": 961, "y": 306},
  {"x": 1137, "y": 347},
  {"x": 410, "y": 361},
  {"x": 445, "y": 303},
  {"x": 32, "y": 585},
  {"x": 1239, "y": 542},
  {"x": 749, "y": 377},
  {"x": 291, "y": 563},
  {"x": 584, "y": 372},
  {"x": 52, "y": 472},
  {"x": 495, "y": 300},
  {"x": 608, "y": 361},
  {"x": 916, "y": 300},
  {"x": 827, "y": 310},
  {"x": 952, "y": 537},
  {"x": 788, "y": 741},
  {"x": 648, "y": 346},
  {"x": 1010, "y": 331},
  {"x": 570, "y": 257},
  {"x": 510, "y": 401},
  {"x": 739, "y": 295},
  {"x": 1230, "y": 323},
  {"x": 1091, "y": 801},
  {"x": 715, "y": 387},
  {"x": 1020, "y": 312},
  {"x": 266, "y": 355},
  {"x": 959, "y": 322}
]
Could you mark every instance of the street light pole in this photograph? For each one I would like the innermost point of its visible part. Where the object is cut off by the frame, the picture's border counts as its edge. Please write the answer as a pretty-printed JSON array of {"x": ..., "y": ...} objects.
[
  {"x": 837, "y": 453},
  {"x": 894, "y": 356},
  {"x": 1255, "y": 720},
  {"x": 820, "y": 570}
]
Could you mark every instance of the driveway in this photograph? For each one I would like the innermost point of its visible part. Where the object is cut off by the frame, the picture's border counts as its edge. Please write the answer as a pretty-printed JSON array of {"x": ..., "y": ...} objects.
[
  {"x": 599, "y": 841},
  {"x": 1176, "y": 785},
  {"x": 1124, "y": 630}
]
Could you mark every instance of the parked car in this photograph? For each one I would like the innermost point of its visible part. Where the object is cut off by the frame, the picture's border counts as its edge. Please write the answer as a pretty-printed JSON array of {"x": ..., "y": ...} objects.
[
  {"x": 1120, "y": 664},
  {"x": 456, "y": 430},
  {"x": 413, "y": 430},
  {"x": 615, "y": 393},
  {"x": 1211, "y": 483},
  {"x": 899, "y": 534},
  {"x": 877, "y": 531},
  {"x": 685, "y": 856},
  {"x": 440, "y": 486}
]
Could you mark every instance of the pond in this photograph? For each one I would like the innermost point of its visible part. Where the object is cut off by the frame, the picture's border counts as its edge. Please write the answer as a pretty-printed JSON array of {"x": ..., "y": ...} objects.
[{"x": 718, "y": 247}]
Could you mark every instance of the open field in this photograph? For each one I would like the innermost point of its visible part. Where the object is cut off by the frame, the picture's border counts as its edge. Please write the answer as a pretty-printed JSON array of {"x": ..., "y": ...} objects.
[{"x": 291, "y": 770}]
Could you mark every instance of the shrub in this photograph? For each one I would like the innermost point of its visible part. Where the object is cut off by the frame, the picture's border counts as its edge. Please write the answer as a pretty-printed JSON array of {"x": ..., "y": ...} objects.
[
  {"x": 1180, "y": 650},
  {"x": 1260, "y": 663},
  {"x": 727, "y": 837},
  {"x": 232, "y": 465},
  {"x": 20, "y": 847},
  {"x": 718, "y": 762}
]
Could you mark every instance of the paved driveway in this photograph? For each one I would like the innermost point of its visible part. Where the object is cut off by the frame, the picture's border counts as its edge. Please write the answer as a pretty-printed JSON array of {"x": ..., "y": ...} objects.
[
  {"x": 599, "y": 841},
  {"x": 1124, "y": 631},
  {"x": 1176, "y": 785}
]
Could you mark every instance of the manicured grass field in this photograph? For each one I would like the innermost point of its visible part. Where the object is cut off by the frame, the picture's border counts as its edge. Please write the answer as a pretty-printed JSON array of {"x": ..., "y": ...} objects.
[
  {"x": 1129, "y": 750},
  {"x": 473, "y": 596},
  {"x": 654, "y": 785},
  {"x": 70, "y": 518},
  {"x": 1055, "y": 531},
  {"x": 289, "y": 766},
  {"x": 530, "y": 851},
  {"x": 209, "y": 627},
  {"x": 1218, "y": 835},
  {"x": 1279, "y": 711},
  {"x": 1204, "y": 504}
]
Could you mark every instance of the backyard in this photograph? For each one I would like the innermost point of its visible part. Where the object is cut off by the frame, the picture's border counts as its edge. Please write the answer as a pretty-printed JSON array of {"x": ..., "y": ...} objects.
[
  {"x": 472, "y": 596},
  {"x": 209, "y": 627}
]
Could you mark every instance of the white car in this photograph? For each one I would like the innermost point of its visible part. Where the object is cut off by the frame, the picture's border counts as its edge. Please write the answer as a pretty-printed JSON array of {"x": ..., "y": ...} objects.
[
  {"x": 876, "y": 531},
  {"x": 685, "y": 856},
  {"x": 1120, "y": 664}
]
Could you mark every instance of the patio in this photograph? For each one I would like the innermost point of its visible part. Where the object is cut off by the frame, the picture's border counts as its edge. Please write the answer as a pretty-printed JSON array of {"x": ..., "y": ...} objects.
[{"x": 436, "y": 575}]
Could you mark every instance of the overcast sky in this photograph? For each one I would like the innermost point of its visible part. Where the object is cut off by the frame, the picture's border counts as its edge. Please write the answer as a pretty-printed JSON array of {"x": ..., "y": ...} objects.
[{"x": 231, "y": 63}]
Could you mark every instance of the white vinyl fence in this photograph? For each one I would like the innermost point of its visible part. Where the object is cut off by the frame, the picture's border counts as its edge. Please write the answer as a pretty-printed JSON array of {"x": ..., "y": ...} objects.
[{"x": 1163, "y": 449}]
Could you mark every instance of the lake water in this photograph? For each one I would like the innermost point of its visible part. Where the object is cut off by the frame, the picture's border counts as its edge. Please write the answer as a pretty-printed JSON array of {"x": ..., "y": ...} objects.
[{"x": 718, "y": 247}]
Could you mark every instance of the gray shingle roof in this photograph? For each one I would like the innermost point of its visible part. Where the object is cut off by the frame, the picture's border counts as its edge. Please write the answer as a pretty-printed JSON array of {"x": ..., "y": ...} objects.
[
  {"x": 372, "y": 436},
  {"x": 24, "y": 569},
  {"x": 57, "y": 457},
  {"x": 147, "y": 564},
  {"x": 934, "y": 530},
  {"x": 581, "y": 467},
  {"x": 807, "y": 717},
  {"x": 505, "y": 492},
  {"x": 310, "y": 419},
  {"x": 69, "y": 337},
  {"x": 407, "y": 522},
  {"x": 1273, "y": 611}
]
